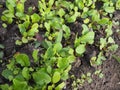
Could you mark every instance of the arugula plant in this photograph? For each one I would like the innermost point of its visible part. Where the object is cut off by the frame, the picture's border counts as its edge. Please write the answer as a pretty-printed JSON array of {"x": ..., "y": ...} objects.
[
  {"x": 86, "y": 38},
  {"x": 77, "y": 82},
  {"x": 8, "y": 14},
  {"x": 15, "y": 9},
  {"x": 53, "y": 72},
  {"x": 54, "y": 63},
  {"x": 54, "y": 18}
]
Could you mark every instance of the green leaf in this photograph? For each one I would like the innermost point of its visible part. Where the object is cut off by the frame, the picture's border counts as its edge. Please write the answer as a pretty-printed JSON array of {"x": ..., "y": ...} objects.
[
  {"x": 11, "y": 65},
  {"x": 50, "y": 87},
  {"x": 104, "y": 21},
  {"x": 80, "y": 4},
  {"x": 24, "y": 40},
  {"x": 111, "y": 40},
  {"x": 10, "y": 5},
  {"x": 80, "y": 49},
  {"x": 95, "y": 15},
  {"x": 109, "y": 9},
  {"x": 103, "y": 43},
  {"x": 41, "y": 78},
  {"x": 50, "y": 3},
  {"x": 100, "y": 58},
  {"x": 33, "y": 30},
  {"x": 65, "y": 76},
  {"x": 19, "y": 85},
  {"x": 56, "y": 23},
  {"x": 11, "y": 2},
  {"x": 4, "y": 25},
  {"x": 72, "y": 18},
  {"x": 66, "y": 29},
  {"x": 46, "y": 44},
  {"x": 118, "y": 4},
  {"x": 85, "y": 29},
  {"x": 62, "y": 65},
  {"x": 61, "y": 12},
  {"x": 35, "y": 55},
  {"x": 87, "y": 20},
  {"x": 90, "y": 80},
  {"x": 8, "y": 14},
  {"x": 19, "y": 76},
  {"x": 49, "y": 69},
  {"x": 35, "y": 18},
  {"x": 47, "y": 26},
  {"x": 56, "y": 77},
  {"x": 3, "y": 18},
  {"x": 22, "y": 59},
  {"x": 22, "y": 28},
  {"x": 27, "y": 21},
  {"x": 49, "y": 53},
  {"x": 108, "y": 31},
  {"x": 113, "y": 47},
  {"x": 20, "y": 15},
  {"x": 25, "y": 73},
  {"x": 101, "y": 75},
  {"x": 5, "y": 87},
  {"x": 57, "y": 47},
  {"x": 71, "y": 58},
  {"x": 20, "y": 7},
  {"x": 89, "y": 2},
  {"x": 18, "y": 42},
  {"x": 8, "y": 17},
  {"x": 7, "y": 74},
  {"x": 59, "y": 36},
  {"x": 60, "y": 86},
  {"x": 88, "y": 37}
]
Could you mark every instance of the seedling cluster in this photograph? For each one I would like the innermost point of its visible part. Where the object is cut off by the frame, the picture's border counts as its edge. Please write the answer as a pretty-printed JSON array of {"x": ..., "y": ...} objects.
[{"x": 49, "y": 69}]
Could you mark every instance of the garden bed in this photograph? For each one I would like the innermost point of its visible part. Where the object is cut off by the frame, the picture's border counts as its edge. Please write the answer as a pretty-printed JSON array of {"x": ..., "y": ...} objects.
[{"x": 105, "y": 76}]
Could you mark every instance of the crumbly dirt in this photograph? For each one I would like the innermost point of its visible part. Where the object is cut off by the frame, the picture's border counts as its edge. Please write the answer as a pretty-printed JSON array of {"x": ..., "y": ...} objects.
[{"x": 110, "y": 68}]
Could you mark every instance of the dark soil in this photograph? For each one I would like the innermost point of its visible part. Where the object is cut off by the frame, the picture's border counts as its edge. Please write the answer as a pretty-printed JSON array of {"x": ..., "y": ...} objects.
[{"x": 110, "y": 68}]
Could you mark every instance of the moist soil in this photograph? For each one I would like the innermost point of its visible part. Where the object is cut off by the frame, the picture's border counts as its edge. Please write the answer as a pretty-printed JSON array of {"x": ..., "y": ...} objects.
[{"x": 110, "y": 68}]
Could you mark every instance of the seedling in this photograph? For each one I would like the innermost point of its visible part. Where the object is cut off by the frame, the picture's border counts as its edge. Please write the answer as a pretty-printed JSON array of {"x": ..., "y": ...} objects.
[{"x": 99, "y": 73}]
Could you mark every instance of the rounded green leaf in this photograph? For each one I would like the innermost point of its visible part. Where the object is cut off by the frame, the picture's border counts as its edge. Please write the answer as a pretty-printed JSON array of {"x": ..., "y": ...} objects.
[
  {"x": 88, "y": 37},
  {"x": 25, "y": 73},
  {"x": 63, "y": 63},
  {"x": 35, "y": 18},
  {"x": 21, "y": 28},
  {"x": 20, "y": 7},
  {"x": 56, "y": 77},
  {"x": 109, "y": 9},
  {"x": 80, "y": 49},
  {"x": 41, "y": 78},
  {"x": 19, "y": 85},
  {"x": 22, "y": 59},
  {"x": 24, "y": 40}
]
